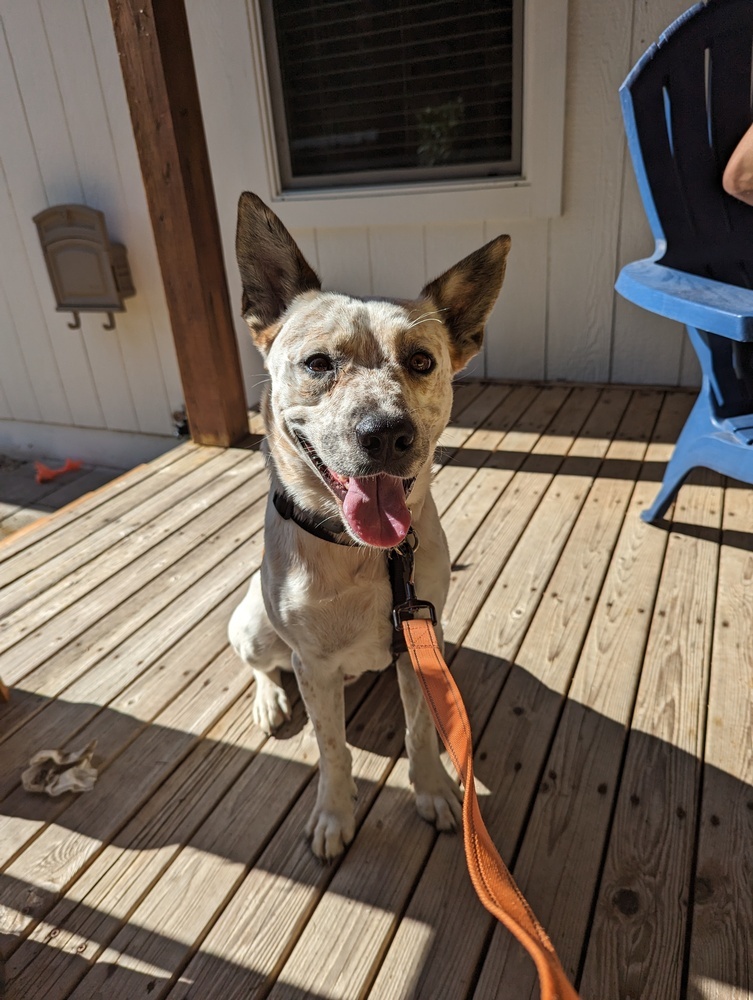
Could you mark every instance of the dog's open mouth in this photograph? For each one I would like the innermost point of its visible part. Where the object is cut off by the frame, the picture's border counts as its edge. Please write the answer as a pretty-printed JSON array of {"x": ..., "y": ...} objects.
[{"x": 374, "y": 507}]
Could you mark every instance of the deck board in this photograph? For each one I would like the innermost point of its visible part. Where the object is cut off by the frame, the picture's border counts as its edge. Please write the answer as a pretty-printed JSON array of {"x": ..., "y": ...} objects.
[
  {"x": 586, "y": 644},
  {"x": 39, "y": 502},
  {"x": 639, "y": 928},
  {"x": 722, "y": 900},
  {"x": 560, "y": 856},
  {"x": 525, "y": 713},
  {"x": 33, "y": 534},
  {"x": 80, "y": 569},
  {"x": 205, "y": 578}
]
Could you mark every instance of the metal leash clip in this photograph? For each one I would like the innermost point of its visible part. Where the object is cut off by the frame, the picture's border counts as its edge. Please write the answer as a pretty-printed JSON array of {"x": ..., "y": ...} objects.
[{"x": 411, "y": 608}]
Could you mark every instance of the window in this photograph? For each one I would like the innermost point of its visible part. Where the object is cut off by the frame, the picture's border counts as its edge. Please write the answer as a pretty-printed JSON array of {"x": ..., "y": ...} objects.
[
  {"x": 370, "y": 92},
  {"x": 522, "y": 180},
  {"x": 379, "y": 92}
]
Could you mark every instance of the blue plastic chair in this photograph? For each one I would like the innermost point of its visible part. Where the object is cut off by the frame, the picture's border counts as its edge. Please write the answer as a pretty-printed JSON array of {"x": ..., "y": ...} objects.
[{"x": 686, "y": 104}]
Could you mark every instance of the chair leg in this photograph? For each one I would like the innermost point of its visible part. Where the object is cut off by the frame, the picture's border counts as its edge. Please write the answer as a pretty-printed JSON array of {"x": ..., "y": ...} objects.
[
  {"x": 677, "y": 472},
  {"x": 690, "y": 452},
  {"x": 707, "y": 440}
]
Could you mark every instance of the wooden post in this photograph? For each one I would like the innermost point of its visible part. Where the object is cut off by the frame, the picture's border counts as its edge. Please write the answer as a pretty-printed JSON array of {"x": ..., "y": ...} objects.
[{"x": 160, "y": 82}]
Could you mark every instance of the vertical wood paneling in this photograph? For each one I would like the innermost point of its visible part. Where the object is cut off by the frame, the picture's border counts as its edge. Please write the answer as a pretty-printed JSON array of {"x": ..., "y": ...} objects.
[
  {"x": 14, "y": 376},
  {"x": 5, "y": 410},
  {"x": 690, "y": 369},
  {"x": 148, "y": 310},
  {"x": 344, "y": 260},
  {"x": 583, "y": 245},
  {"x": 42, "y": 102},
  {"x": 28, "y": 327},
  {"x": 516, "y": 331},
  {"x": 63, "y": 149},
  {"x": 75, "y": 71},
  {"x": 643, "y": 341},
  {"x": 306, "y": 240},
  {"x": 41, "y": 170},
  {"x": 125, "y": 362},
  {"x": 398, "y": 267}
]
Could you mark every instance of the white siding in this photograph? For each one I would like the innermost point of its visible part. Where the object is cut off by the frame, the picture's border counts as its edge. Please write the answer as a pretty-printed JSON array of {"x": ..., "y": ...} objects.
[
  {"x": 593, "y": 333},
  {"x": 583, "y": 242},
  {"x": 67, "y": 137}
]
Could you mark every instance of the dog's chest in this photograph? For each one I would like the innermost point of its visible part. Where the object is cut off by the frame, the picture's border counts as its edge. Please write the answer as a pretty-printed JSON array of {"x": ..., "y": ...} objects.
[{"x": 345, "y": 621}]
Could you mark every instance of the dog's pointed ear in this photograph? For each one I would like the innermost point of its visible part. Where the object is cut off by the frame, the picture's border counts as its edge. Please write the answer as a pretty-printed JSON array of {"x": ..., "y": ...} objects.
[
  {"x": 464, "y": 296},
  {"x": 273, "y": 269}
]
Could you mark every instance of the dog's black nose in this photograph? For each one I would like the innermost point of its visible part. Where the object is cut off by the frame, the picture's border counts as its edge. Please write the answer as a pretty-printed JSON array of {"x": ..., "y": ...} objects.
[{"x": 385, "y": 438}]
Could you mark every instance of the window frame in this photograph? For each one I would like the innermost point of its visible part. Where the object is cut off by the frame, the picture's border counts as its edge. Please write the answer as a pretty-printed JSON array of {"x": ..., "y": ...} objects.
[{"x": 535, "y": 193}]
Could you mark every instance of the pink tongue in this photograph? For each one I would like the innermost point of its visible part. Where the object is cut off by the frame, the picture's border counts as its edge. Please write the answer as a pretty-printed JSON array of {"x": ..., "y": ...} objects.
[{"x": 375, "y": 510}]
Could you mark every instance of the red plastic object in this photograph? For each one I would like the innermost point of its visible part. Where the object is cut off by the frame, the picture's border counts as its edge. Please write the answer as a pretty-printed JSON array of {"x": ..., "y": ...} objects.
[{"x": 45, "y": 474}]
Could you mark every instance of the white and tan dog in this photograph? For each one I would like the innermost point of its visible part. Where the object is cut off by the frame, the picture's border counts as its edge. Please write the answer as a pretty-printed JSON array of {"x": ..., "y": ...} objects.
[{"x": 360, "y": 391}]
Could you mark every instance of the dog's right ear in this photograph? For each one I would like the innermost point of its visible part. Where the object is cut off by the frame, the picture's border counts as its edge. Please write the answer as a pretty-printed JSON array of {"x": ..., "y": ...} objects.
[
  {"x": 273, "y": 269},
  {"x": 465, "y": 294}
]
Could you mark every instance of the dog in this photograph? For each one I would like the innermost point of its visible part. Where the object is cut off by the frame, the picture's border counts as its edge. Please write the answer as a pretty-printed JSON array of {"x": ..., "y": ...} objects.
[{"x": 359, "y": 392}]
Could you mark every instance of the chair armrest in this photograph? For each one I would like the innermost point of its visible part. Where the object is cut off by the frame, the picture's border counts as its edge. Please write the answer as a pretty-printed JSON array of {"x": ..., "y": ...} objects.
[{"x": 699, "y": 302}]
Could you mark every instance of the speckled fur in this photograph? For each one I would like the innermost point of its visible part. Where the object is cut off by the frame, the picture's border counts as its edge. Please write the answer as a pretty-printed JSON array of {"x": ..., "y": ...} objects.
[{"x": 324, "y": 608}]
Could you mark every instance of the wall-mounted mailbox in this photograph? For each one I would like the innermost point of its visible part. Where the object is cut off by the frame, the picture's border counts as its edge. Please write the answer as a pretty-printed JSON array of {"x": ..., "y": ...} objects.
[{"x": 88, "y": 273}]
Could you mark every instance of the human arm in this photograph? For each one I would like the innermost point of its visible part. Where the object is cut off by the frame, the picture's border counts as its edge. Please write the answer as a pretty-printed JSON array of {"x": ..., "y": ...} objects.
[{"x": 738, "y": 174}]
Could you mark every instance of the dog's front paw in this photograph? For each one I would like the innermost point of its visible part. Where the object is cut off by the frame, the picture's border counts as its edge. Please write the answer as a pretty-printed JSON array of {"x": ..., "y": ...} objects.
[
  {"x": 271, "y": 705},
  {"x": 439, "y": 802},
  {"x": 330, "y": 831}
]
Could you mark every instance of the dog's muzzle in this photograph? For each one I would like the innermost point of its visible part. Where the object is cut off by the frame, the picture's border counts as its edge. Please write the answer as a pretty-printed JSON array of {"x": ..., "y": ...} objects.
[{"x": 374, "y": 506}]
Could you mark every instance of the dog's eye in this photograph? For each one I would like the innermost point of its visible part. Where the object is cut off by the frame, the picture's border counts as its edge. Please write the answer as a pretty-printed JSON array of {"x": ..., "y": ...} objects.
[
  {"x": 421, "y": 362},
  {"x": 319, "y": 363}
]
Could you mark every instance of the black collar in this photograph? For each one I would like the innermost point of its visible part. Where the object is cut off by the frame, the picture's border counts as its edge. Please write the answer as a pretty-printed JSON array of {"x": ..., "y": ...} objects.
[{"x": 288, "y": 509}]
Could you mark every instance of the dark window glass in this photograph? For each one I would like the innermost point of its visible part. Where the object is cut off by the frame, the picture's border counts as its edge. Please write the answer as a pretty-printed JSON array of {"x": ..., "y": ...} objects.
[{"x": 370, "y": 92}]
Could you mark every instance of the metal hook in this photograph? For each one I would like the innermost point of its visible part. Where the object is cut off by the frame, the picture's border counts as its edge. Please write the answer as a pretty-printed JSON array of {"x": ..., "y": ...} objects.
[
  {"x": 110, "y": 325},
  {"x": 76, "y": 321}
]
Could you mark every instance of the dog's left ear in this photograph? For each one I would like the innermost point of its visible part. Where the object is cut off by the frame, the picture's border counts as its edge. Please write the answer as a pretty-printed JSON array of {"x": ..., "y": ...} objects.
[
  {"x": 273, "y": 269},
  {"x": 464, "y": 296}
]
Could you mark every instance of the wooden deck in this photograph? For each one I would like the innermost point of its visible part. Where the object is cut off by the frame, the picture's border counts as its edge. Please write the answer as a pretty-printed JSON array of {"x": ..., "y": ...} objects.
[{"x": 606, "y": 666}]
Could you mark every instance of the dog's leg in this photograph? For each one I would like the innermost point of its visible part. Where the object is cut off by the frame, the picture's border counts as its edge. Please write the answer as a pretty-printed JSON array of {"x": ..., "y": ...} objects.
[
  {"x": 256, "y": 642},
  {"x": 438, "y": 797},
  {"x": 332, "y": 823}
]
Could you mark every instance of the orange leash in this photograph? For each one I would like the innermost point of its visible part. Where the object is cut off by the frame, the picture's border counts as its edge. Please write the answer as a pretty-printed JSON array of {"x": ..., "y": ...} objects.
[{"x": 492, "y": 881}]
